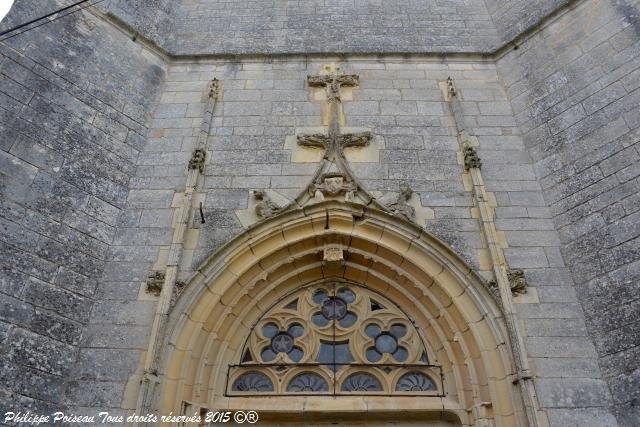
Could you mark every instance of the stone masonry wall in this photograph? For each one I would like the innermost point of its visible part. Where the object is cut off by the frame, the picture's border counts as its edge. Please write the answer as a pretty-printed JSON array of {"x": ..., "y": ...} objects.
[
  {"x": 218, "y": 27},
  {"x": 511, "y": 17},
  {"x": 265, "y": 103},
  {"x": 307, "y": 26},
  {"x": 575, "y": 93},
  {"x": 74, "y": 101},
  {"x": 154, "y": 19},
  {"x": 90, "y": 186}
]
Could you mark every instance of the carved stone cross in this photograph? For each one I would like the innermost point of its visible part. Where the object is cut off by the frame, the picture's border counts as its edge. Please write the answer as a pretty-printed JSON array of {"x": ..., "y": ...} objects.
[
  {"x": 334, "y": 141},
  {"x": 333, "y": 82},
  {"x": 339, "y": 182}
]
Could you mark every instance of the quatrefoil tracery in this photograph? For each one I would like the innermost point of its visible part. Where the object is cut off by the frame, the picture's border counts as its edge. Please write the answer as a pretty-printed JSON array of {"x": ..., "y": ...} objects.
[
  {"x": 282, "y": 342},
  {"x": 334, "y": 308},
  {"x": 386, "y": 342}
]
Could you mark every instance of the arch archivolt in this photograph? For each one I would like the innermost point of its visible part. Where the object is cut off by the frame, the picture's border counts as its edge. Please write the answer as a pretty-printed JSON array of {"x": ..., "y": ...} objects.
[{"x": 452, "y": 311}]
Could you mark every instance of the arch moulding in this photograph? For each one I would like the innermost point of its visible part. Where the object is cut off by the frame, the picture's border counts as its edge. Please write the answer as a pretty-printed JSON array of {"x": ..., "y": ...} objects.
[{"x": 446, "y": 300}]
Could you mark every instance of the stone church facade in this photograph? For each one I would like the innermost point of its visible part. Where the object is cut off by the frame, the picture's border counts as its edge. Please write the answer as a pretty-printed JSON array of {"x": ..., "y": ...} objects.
[{"x": 420, "y": 212}]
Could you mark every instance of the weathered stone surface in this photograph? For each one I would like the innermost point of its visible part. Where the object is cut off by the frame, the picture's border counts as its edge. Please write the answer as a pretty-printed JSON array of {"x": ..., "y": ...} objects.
[
  {"x": 116, "y": 336},
  {"x": 107, "y": 364},
  {"x": 97, "y": 394},
  {"x": 578, "y": 121},
  {"x": 38, "y": 352},
  {"x": 89, "y": 194},
  {"x": 590, "y": 417},
  {"x": 69, "y": 113},
  {"x": 405, "y": 25},
  {"x": 569, "y": 392}
]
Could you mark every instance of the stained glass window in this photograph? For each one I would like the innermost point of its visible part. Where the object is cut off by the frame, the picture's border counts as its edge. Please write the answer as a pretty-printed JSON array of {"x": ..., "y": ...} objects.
[
  {"x": 307, "y": 382},
  {"x": 415, "y": 381},
  {"x": 334, "y": 338},
  {"x": 361, "y": 381},
  {"x": 253, "y": 382}
]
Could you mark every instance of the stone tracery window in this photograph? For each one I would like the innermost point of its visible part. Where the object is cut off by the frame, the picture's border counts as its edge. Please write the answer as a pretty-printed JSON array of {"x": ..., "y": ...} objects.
[{"x": 330, "y": 339}]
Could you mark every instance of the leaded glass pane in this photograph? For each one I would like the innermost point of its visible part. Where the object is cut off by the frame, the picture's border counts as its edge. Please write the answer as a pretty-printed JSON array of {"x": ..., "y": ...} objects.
[
  {"x": 325, "y": 355},
  {"x": 337, "y": 353},
  {"x": 270, "y": 330},
  {"x": 253, "y": 381},
  {"x": 268, "y": 355},
  {"x": 348, "y": 320},
  {"x": 415, "y": 381},
  {"x": 296, "y": 354},
  {"x": 307, "y": 382},
  {"x": 398, "y": 330},
  {"x": 319, "y": 319},
  {"x": 332, "y": 328},
  {"x": 319, "y": 296},
  {"x": 334, "y": 308},
  {"x": 372, "y": 330},
  {"x": 346, "y": 295},
  {"x": 385, "y": 343},
  {"x": 373, "y": 355},
  {"x": 296, "y": 330},
  {"x": 361, "y": 381},
  {"x": 343, "y": 354},
  {"x": 401, "y": 354},
  {"x": 282, "y": 343},
  {"x": 293, "y": 305}
]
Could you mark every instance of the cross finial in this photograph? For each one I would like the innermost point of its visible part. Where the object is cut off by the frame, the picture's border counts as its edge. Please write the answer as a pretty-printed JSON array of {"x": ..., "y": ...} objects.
[
  {"x": 334, "y": 177},
  {"x": 333, "y": 82},
  {"x": 334, "y": 142}
]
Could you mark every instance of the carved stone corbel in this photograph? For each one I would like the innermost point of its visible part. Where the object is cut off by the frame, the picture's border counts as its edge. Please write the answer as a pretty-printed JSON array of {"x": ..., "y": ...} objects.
[
  {"x": 265, "y": 206},
  {"x": 155, "y": 279},
  {"x": 483, "y": 414},
  {"x": 401, "y": 206},
  {"x": 451, "y": 88},
  {"x": 471, "y": 158},
  {"x": 178, "y": 288},
  {"x": 197, "y": 160},
  {"x": 517, "y": 281},
  {"x": 214, "y": 88},
  {"x": 493, "y": 288}
]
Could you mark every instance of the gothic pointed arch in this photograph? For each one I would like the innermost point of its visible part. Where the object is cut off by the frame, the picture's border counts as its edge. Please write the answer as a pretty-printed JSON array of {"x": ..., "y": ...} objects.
[{"x": 333, "y": 245}]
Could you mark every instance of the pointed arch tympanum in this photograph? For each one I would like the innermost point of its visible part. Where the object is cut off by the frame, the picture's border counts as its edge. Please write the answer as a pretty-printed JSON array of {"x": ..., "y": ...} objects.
[{"x": 453, "y": 312}]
